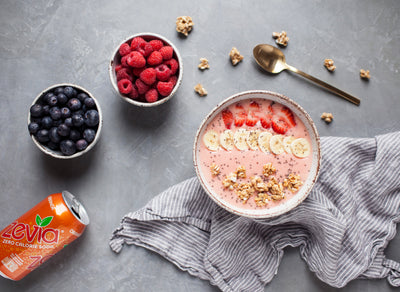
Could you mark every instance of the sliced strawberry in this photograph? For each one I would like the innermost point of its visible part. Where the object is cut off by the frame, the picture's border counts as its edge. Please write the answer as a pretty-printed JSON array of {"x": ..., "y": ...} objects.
[
  {"x": 227, "y": 117},
  {"x": 254, "y": 105},
  {"x": 240, "y": 115},
  {"x": 279, "y": 124},
  {"x": 252, "y": 119},
  {"x": 265, "y": 121},
  {"x": 289, "y": 116}
]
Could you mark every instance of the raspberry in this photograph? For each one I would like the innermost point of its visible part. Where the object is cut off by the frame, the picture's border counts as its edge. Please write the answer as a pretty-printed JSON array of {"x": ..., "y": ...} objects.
[
  {"x": 124, "y": 73},
  {"x": 164, "y": 88},
  {"x": 156, "y": 44},
  {"x": 134, "y": 93},
  {"x": 145, "y": 49},
  {"x": 136, "y": 60},
  {"x": 117, "y": 68},
  {"x": 141, "y": 86},
  {"x": 151, "y": 95},
  {"x": 163, "y": 72},
  {"x": 167, "y": 52},
  {"x": 155, "y": 58},
  {"x": 148, "y": 76},
  {"x": 173, "y": 65},
  {"x": 123, "y": 61},
  {"x": 124, "y": 49},
  {"x": 173, "y": 79},
  {"x": 136, "y": 42},
  {"x": 136, "y": 71},
  {"x": 124, "y": 86}
]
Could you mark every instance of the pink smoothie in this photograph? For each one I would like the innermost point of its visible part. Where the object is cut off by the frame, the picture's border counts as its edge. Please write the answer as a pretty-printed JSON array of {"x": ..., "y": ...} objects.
[{"x": 252, "y": 160}]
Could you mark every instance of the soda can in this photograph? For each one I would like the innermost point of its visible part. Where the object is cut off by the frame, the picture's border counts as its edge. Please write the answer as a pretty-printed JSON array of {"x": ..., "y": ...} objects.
[{"x": 40, "y": 233}]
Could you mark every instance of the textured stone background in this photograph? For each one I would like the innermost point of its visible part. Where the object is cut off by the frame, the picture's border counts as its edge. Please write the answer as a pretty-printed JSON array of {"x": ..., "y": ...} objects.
[{"x": 142, "y": 152}]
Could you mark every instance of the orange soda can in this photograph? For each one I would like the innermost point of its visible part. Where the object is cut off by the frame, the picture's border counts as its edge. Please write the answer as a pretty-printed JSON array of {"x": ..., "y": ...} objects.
[{"x": 40, "y": 233}]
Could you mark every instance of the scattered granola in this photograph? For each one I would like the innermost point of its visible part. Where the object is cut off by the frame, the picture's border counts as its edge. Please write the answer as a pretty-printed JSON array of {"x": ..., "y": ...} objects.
[
  {"x": 268, "y": 169},
  {"x": 262, "y": 199},
  {"x": 200, "y": 90},
  {"x": 184, "y": 24},
  {"x": 244, "y": 191},
  {"x": 235, "y": 56},
  {"x": 204, "y": 64},
  {"x": 328, "y": 63},
  {"x": 364, "y": 74},
  {"x": 241, "y": 172},
  {"x": 281, "y": 38},
  {"x": 230, "y": 181},
  {"x": 258, "y": 184},
  {"x": 215, "y": 169},
  {"x": 327, "y": 117},
  {"x": 292, "y": 182}
]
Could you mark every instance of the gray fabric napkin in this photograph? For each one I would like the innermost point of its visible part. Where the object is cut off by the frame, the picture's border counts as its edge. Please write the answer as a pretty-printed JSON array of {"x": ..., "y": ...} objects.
[{"x": 341, "y": 229}]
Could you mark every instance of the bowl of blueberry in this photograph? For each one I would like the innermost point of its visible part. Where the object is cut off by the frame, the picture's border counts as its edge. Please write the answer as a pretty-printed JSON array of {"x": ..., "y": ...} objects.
[
  {"x": 146, "y": 69},
  {"x": 65, "y": 121}
]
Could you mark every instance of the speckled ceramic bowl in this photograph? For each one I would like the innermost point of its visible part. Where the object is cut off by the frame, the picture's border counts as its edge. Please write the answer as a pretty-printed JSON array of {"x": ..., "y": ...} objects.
[
  {"x": 308, "y": 183},
  {"x": 59, "y": 154},
  {"x": 115, "y": 60}
]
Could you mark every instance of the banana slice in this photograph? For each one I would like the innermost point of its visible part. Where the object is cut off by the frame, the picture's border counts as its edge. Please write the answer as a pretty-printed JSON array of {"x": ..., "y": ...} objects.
[
  {"x": 287, "y": 141},
  {"x": 252, "y": 139},
  {"x": 210, "y": 139},
  {"x": 226, "y": 140},
  {"x": 240, "y": 138},
  {"x": 263, "y": 141},
  {"x": 276, "y": 144},
  {"x": 300, "y": 148}
]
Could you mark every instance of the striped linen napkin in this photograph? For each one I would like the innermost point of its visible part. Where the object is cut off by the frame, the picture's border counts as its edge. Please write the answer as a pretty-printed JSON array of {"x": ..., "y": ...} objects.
[{"x": 341, "y": 229}]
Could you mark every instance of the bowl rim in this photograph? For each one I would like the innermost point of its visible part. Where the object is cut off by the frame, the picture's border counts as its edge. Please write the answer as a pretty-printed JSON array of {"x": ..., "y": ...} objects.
[
  {"x": 269, "y": 213},
  {"x": 113, "y": 77},
  {"x": 54, "y": 153}
]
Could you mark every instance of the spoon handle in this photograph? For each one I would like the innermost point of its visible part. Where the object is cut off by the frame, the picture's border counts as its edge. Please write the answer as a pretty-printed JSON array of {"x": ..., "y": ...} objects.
[{"x": 339, "y": 92}]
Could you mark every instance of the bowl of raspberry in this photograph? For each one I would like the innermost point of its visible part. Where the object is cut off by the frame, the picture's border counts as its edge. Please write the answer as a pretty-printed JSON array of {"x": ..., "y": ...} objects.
[
  {"x": 65, "y": 121},
  {"x": 146, "y": 69}
]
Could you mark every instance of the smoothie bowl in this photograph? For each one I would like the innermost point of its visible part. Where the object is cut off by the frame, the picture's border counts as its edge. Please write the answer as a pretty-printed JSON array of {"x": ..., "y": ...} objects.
[{"x": 257, "y": 154}]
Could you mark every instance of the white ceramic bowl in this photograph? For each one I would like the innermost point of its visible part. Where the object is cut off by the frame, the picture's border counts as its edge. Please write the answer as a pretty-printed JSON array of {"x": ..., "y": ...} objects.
[
  {"x": 115, "y": 60},
  {"x": 59, "y": 154},
  {"x": 286, "y": 205}
]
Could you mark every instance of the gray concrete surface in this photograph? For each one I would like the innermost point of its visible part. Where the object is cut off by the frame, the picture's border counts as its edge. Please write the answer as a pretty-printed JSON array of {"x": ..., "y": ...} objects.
[{"x": 142, "y": 152}]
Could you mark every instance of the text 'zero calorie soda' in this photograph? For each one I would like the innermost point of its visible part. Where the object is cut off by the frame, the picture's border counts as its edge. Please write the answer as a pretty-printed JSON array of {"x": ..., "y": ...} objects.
[{"x": 40, "y": 233}]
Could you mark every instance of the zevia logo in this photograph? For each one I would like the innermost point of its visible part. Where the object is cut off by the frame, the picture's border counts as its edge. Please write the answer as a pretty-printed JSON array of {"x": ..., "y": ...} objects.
[{"x": 19, "y": 231}]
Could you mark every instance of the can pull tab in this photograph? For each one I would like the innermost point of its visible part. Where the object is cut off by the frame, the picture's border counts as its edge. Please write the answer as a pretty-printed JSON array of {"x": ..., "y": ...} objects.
[{"x": 75, "y": 207}]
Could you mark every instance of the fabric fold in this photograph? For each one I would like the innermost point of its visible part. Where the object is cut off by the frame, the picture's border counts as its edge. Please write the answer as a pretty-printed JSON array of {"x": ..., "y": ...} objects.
[{"x": 341, "y": 229}]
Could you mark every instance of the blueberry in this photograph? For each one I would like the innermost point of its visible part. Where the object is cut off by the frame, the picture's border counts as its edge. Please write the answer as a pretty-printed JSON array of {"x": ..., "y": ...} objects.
[
  {"x": 54, "y": 136},
  {"x": 47, "y": 96},
  {"x": 52, "y": 101},
  {"x": 74, "y": 104},
  {"x": 65, "y": 112},
  {"x": 58, "y": 90},
  {"x": 70, "y": 92},
  {"x": 89, "y": 135},
  {"x": 62, "y": 98},
  {"x": 79, "y": 112},
  {"x": 36, "y": 110},
  {"x": 89, "y": 102},
  {"x": 81, "y": 144},
  {"x": 47, "y": 122},
  {"x": 55, "y": 113},
  {"x": 77, "y": 120},
  {"x": 92, "y": 118},
  {"x": 36, "y": 120},
  {"x": 82, "y": 96},
  {"x": 46, "y": 110},
  {"x": 57, "y": 123},
  {"x": 42, "y": 136},
  {"x": 67, "y": 147},
  {"x": 68, "y": 122},
  {"x": 33, "y": 128},
  {"x": 52, "y": 145},
  {"x": 74, "y": 135},
  {"x": 63, "y": 130}
]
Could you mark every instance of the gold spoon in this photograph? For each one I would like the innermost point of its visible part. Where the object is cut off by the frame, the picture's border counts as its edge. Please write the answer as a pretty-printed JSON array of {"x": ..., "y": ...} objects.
[{"x": 272, "y": 60}]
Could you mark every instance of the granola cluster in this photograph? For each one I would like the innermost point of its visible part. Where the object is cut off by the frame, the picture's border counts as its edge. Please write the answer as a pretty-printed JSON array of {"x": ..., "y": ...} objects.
[
  {"x": 281, "y": 38},
  {"x": 215, "y": 169},
  {"x": 328, "y": 63},
  {"x": 200, "y": 90},
  {"x": 184, "y": 24},
  {"x": 235, "y": 56},
  {"x": 327, "y": 117},
  {"x": 203, "y": 64},
  {"x": 365, "y": 74},
  {"x": 264, "y": 190}
]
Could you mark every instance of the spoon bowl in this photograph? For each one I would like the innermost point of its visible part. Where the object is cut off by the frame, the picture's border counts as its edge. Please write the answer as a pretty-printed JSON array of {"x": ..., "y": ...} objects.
[{"x": 272, "y": 60}]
